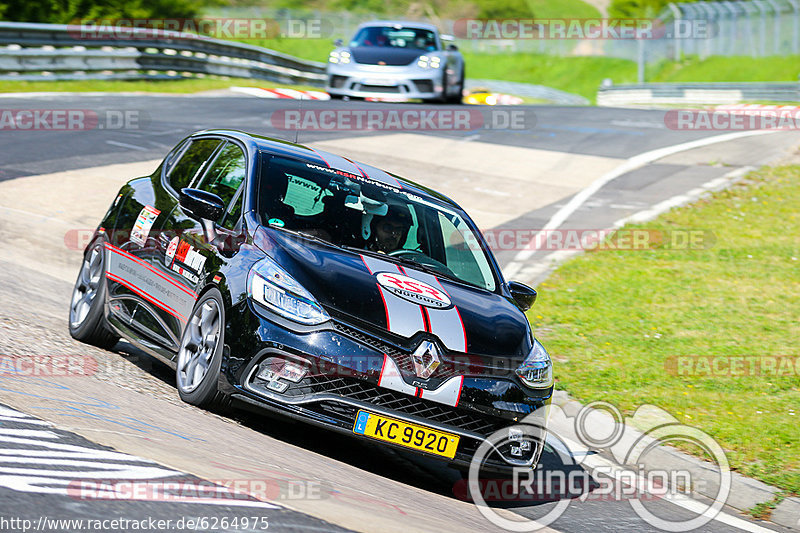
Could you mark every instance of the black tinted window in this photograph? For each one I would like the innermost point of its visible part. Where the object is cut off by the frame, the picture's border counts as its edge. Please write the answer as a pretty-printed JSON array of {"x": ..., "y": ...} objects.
[
  {"x": 192, "y": 162},
  {"x": 224, "y": 177}
]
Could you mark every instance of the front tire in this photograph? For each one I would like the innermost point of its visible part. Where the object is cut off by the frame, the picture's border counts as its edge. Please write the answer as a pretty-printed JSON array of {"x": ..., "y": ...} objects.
[
  {"x": 200, "y": 353},
  {"x": 86, "y": 321}
]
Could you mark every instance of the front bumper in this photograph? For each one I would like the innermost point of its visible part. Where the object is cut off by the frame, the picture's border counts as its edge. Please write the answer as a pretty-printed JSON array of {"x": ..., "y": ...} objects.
[
  {"x": 345, "y": 365},
  {"x": 375, "y": 81}
]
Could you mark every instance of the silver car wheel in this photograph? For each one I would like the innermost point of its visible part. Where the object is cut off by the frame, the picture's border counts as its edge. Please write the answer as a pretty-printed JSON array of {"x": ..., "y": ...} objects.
[
  {"x": 86, "y": 287},
  {"x": 198, "y": 346}
]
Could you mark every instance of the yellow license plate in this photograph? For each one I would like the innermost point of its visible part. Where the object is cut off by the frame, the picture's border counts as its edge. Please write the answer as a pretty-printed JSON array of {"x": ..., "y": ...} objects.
[{"x": 405, "y": 434}]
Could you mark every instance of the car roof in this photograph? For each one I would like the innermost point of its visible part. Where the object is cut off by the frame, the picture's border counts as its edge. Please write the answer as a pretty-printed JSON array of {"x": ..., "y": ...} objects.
[
  {"x": 407, "y": 23},
  {"x": 322, "y": 158}
]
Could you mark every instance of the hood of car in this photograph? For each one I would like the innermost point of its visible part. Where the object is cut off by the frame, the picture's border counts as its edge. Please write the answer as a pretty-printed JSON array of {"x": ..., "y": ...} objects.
[
  {"x": 380, "y": 55},
  {"x": 386, "y": 297}
]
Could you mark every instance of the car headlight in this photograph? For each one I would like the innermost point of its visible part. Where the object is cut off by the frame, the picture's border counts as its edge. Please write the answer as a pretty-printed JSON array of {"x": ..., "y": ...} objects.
[
  {"x": 537, "y": 370},
  {"x": 275, "y": 289},
  {"x": 339, "y": 56},
  {"x": 429, "y": 62}
]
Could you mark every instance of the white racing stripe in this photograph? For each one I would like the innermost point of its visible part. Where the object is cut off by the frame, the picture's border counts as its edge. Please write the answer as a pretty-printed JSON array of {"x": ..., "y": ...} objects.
[
  {"x": 404, "y": 318},
  {"x": 448, "y": 392},
  {"x": 407, "y": 318}
]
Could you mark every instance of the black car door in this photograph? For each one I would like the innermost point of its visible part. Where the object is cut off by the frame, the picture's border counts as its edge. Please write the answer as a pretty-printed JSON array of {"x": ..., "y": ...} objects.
[{"x": 186, "y": 251}]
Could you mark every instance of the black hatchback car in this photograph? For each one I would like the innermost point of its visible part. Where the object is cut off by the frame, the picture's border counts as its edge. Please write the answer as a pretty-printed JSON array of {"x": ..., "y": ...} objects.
[{"x": 302, "y": 282}]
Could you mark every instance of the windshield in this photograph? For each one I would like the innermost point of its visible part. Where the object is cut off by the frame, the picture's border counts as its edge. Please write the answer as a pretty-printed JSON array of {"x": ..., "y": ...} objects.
[
  {"x": 396, "y": 37},
  {"x": 349, "y": 210}
]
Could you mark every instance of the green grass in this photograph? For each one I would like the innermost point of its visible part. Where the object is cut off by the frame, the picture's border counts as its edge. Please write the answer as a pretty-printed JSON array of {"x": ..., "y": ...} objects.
[
  {"x": 191, "y": 85},
  {"x": 569, "y": 9},
  {"x": 717, "y": 68},
  {"x": 611, "y": 320}
]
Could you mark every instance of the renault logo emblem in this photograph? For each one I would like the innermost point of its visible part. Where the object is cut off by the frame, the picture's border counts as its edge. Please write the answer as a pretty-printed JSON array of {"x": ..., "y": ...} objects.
[{"x": 426, "y": 359}]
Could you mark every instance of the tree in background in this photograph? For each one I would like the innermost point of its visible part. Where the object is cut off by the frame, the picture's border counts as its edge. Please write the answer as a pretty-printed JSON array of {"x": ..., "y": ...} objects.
[{"x": 71, "y": 11}]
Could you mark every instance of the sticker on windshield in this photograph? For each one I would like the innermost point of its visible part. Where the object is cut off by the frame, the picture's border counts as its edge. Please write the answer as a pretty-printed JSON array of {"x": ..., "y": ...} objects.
[
  {"x": 276, "y": 222},
  {"x": 413, "y": 290},
  {"x": 145, "y": 220}
]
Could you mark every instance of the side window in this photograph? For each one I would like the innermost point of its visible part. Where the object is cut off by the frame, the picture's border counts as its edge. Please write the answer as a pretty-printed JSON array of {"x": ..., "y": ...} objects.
[
  {"x": 224, "y": 177},
  {"x": 191, "y": 163},
  {"x": 461, "y": 252}
]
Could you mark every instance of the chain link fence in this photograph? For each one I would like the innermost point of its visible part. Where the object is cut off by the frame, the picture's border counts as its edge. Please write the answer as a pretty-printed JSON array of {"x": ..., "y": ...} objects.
[{"x": 755, "y": 28}]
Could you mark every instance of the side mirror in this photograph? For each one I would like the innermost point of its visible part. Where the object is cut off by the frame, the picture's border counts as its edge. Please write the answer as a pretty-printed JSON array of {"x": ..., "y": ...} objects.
[
  {"x": 452, "y": 48},
  {"x": 202, "y": 204},
  {"x": 338, "y": 42},
  {"x": 522, "y": 294},
  {"x": 206, "y": 206}
]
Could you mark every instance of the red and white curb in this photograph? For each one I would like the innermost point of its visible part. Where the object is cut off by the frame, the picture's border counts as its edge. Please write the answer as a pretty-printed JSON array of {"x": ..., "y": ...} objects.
[{"x": 282, "y": 93}]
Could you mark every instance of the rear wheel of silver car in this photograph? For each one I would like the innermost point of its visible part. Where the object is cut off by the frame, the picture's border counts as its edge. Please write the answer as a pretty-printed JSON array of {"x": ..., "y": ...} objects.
[
  {"x": 200, "y": 354},
  {"x": 86, "y": 321}
]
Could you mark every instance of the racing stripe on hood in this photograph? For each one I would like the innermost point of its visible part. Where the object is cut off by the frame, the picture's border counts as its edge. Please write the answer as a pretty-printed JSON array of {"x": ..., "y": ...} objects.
[
  {"x": 402, "y": 317},
  {"x": 407, "y": 318},
  {"x": 338, "y": 162},
  {"x": 448, "y": 393},
  {"x": 445, "y": 323}
]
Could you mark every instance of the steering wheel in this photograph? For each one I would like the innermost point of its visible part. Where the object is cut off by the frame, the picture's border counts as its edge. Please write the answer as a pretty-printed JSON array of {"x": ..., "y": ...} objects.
[{"x": 419, "y": 257}]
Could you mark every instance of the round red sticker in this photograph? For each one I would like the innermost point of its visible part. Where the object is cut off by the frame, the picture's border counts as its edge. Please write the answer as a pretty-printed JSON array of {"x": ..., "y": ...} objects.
[{"x": 413, "y": 290}]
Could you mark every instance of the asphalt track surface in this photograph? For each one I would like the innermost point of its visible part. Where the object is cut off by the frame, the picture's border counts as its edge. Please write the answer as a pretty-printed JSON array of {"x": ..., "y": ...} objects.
[{"x": 317, "y": 481}]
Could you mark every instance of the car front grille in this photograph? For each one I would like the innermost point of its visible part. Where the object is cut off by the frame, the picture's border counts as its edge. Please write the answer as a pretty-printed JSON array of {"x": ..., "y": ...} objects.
[
  {"x": 424, "y": 86},
  {"x": 355, "y": 389},
  {"x": 403, "y": 358},
  {"x": 380, "y": 89},
  {"x": 337, "y": 82}
]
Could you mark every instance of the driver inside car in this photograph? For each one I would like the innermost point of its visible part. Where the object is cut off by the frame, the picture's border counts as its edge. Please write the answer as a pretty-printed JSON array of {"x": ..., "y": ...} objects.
[{"x": 390, "y": 231}]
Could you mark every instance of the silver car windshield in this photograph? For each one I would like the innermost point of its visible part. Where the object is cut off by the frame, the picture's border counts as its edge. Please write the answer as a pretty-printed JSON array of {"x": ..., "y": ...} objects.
[
  {"x": 355, "y": 212},
  {"x": 396, "y": 37}
]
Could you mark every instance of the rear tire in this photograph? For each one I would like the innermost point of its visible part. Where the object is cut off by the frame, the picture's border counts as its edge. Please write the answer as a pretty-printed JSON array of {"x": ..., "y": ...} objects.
[
  {"x": 86, "y": 321},
  {"x": 200, "y": 354}
]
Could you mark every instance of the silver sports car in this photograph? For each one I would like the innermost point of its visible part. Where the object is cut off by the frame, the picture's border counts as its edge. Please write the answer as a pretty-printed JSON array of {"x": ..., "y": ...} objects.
[{"x": 397, "y": 59}]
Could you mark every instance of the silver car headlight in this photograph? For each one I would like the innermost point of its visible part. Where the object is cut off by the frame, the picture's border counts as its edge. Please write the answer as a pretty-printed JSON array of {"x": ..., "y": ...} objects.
[
  {"x": 339, "y": 56},
  {"x": 536, "y": 371},
  {"x": 429, "y": 62},
  {"x": 275, "y": 289}
]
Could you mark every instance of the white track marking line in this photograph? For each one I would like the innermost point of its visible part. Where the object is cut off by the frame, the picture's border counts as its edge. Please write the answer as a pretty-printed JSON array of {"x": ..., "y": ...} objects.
[
  {"x": 515, "y": 266},
  {"x": 530, "y": 272},
  {"x": 125, "y": 145},
  {"x": 594, "y": 462}
]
